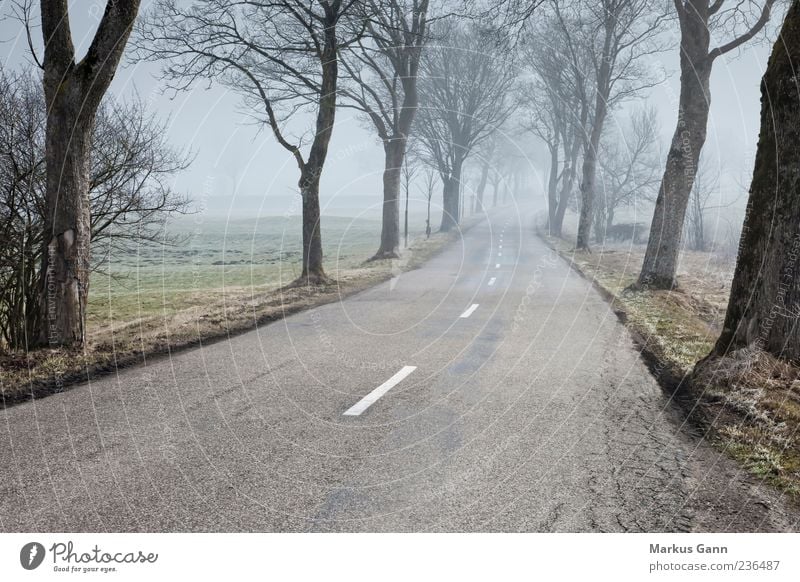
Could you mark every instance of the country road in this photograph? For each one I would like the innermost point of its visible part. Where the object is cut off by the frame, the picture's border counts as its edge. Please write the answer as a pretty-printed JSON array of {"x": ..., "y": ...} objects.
[{"x": 493, "y": 389}]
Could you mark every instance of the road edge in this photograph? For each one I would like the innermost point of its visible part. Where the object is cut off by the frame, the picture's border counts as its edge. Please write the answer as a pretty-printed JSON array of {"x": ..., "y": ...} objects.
[{"x": 40, "y": 388}]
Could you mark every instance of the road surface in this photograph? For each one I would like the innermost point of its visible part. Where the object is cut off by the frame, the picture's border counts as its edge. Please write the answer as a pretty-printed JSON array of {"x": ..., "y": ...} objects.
[{"x": 493, "y": 389}]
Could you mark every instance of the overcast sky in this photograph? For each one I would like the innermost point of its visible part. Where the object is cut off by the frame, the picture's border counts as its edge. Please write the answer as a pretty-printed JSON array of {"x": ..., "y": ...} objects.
[{"x": 240, "y": 171}]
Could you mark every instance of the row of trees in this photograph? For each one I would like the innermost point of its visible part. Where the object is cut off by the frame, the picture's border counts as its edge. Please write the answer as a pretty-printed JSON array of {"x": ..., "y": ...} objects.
[
  {"x": 282, "y": 58},
  {"x": 414, "y": 71},
  {"x": 587, "y": 59},
  {"x": 393, "y": 61}
]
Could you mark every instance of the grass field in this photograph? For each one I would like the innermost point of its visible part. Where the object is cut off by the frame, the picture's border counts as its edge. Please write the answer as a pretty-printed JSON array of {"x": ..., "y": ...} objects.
[
  {"x": 215, "y": 257},
  {"x": 213, "y": 279}
]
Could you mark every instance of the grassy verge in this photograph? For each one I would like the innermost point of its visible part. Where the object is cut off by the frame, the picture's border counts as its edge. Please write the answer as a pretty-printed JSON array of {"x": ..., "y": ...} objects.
[
  {"x": 136, "y": 312},
  {"x": 747, "y": 404}
]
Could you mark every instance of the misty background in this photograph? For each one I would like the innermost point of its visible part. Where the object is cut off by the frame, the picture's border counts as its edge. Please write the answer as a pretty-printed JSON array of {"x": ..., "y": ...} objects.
[{"x": 241, "y": 172}]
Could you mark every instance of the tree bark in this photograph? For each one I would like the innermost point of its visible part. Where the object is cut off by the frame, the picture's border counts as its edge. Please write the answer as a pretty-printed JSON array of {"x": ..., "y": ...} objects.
[
  {"x": 552, "y": 189},
  {"x": 450, "y": 194},
  {"x": 663, "y": 246},
  {"x": 394, "y": 153},
  {"x": 763, "y": 308},
  {"x": 313, "y": 272},
  {"x": 405, "y": 228},
  {"x": 590, "y": 151},
  {"x": 589, "y": 171},
  {"x": 73, "y": 92},
  {"x": 567, "y": 184},
  {"x": 65, "y": 263},
  {"x": 482, "y": 186}
]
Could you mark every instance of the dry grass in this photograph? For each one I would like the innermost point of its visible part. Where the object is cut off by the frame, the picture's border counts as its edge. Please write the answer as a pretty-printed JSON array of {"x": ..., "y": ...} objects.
[
  {"x": 122, "y": 337},
  {"x": 752, "y": 401},
  {"x": 749, "y": 402}
]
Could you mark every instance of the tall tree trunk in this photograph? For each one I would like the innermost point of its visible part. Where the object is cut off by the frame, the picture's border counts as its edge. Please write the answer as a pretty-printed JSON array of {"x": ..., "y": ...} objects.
[
  {"x": 405, "y": 229},
  {"x": 452, "y": 204},
  {"x": 482, "y": 186},
  {"x": 394, "y": 153},
  {"x": 763, "y": 308},
  {"x": 663, "y": 246},
  {"x": 552, "y": 188},
  {"x": 567, "y": 184},
  {"x": 73, "y": 92},
  {"x": 313, "y": 272},
  {"x": 589, "y": 171},
  {"x": 428, "y": 220},
  {"x": 599, "y": 218},
  {"x": 66, "y": 252},
  {"x": 590, "y": 151}
]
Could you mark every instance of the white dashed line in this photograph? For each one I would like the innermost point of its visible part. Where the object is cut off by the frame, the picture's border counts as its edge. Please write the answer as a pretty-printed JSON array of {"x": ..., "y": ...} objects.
[
  {"x": 492, "y": 280},
  {"x": 497, "y": 266},
  {"x": 469, "y": 311},
  {"x": 370, "y": 398}
]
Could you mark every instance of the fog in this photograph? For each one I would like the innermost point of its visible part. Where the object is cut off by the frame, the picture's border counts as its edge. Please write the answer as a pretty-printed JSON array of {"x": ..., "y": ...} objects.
[{"x": 240, "y": 171}]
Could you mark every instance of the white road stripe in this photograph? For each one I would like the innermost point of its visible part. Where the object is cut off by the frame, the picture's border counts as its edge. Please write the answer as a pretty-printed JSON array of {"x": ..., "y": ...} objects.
[
  {"x": 492, "y": 280},
  {"x": 469, "y": 311},
  {"x": 497, "y": 266},
  {"x": 499, "y": 254},
  {"x": 370, "y": 398}
]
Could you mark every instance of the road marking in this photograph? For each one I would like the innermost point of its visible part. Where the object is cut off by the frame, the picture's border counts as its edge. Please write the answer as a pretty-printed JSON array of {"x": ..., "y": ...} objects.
[
  {"x": 499, "y": 254},
  {"x": 497, "y": 266},
  {"x": 501, "y": 246},
  {"x": 370, "y": 398},
  {"x": 492, "y": 280},
  {"x": 469, "y": 311}
]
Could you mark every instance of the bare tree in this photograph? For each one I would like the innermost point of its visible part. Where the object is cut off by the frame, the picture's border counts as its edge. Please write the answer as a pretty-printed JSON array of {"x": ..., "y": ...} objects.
[
  {"x": 706, "y": 183},
  {"x": 73, "y": 92},
  {"x": 629, "y": 168},
  {"x": 280, "y": 56},
  {"x": 23, "y": 180},
  {"x": 740, "y": 21},
  {"x": 616, "y": 36},
  {"x": 129, "y": 196},
  {"x": 765, "y": 293},
  {"x": 409, "y": 171},
  {"x": 383, "y": 68},
  {"x": 486, "y": 154},
  {"x": 464, "y": 98},
  {"x": 427, "y": 188}
]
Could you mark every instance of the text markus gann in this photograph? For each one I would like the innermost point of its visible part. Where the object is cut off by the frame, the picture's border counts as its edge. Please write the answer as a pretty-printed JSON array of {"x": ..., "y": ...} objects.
[
  {"x": 65, "y": 553},
  {"x": 676, "y": 549}
]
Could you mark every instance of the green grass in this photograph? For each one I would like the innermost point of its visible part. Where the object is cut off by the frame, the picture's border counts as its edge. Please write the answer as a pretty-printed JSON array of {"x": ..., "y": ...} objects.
[
  {"x": 220, "y": 278},
  {"x": 213, "y": 256}
]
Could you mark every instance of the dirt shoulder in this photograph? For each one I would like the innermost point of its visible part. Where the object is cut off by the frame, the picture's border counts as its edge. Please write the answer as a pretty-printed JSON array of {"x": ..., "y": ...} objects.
[
  {"x": 747, "y": 407},
  {"x": 37, "y": 373}
]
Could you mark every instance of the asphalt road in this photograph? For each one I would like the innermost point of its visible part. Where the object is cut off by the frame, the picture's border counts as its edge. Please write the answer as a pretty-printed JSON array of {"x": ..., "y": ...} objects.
[{"x": 516, "y": 402}]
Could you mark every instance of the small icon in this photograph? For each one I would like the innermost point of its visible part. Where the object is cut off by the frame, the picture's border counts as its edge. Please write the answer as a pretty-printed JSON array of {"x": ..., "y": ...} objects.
[{"x": 31, "y": 555}]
